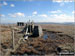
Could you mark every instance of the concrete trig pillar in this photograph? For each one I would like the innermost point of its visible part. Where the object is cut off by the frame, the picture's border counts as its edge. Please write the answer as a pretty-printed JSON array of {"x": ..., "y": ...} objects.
[{"x": 32, "y": 23}]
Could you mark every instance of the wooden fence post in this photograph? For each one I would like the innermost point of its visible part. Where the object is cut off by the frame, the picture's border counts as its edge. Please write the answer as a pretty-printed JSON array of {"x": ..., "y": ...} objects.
[{"x": 13, "y": 42}]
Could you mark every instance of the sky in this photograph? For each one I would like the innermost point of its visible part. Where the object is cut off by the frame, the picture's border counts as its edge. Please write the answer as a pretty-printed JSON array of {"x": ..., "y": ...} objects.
[{"x": 37, "y": 11}]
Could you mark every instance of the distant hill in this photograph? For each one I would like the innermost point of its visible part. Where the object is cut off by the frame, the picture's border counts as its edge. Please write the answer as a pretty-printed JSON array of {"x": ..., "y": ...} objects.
[{"x": 65, "y": 23}]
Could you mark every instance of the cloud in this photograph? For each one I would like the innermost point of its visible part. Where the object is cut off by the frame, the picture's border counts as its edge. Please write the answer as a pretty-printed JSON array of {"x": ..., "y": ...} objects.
[
  {"x": 5, "y": 3},
  {"x": 62, "y": 18},
  {"x": 19, "y": 14},
  {"x": 57, "y": 11},
  {"x": 56, "y": 18},
  {"x": 58, "y": 1},
  {"x": 34, "y": 13},
  {"x": 43, "y": 15},
  {"x": 12, "y": 15},
  {"x": 63, "y": 2},
  {"x": 68, "y": 0},
  {"x": 73, "y": 12},
  {"x": 12, "y": 5},
  {"x": 2, "y": 15}
]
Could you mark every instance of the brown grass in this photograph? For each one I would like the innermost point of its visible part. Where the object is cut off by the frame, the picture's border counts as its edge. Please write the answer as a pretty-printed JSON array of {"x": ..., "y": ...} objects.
[{"x": 47, "y": 45}]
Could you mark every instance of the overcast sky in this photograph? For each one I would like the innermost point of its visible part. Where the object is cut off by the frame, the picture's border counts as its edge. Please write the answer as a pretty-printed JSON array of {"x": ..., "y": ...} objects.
[{"x": 38, "y": 11}]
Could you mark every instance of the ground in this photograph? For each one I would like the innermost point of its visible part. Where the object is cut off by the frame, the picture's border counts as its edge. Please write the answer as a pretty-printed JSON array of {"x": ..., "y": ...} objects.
[{"x": 54, "y": 36}]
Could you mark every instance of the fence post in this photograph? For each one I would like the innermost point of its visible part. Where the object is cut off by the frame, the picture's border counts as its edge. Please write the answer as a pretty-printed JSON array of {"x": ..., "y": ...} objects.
[{"x": 13, "y": 42}]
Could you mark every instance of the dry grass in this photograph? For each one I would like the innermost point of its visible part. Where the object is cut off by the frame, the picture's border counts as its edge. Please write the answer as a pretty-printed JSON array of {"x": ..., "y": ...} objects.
[
  {"x": 67, "y": 29},
  {"x": 40, "y": 42},
  {"x": 5, "y": 33}
]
